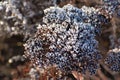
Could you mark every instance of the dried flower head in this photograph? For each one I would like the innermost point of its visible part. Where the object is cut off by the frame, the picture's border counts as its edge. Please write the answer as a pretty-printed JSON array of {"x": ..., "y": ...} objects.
[
  {"x": 66, "y": 39},
  {"x": 113, "y": 59},
  {"x": 111, "y": 5}
]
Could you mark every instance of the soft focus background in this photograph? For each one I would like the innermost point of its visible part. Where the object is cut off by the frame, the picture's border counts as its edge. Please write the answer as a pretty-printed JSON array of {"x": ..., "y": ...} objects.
[{"x": 13, "y": 66}]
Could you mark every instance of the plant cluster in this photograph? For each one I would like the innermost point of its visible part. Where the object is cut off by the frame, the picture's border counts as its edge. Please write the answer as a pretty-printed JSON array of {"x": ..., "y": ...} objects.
[
  {"x": 67, "y": 39},
  {"x": 20, "y": 17},
  {"x": 113, "y": 59}
]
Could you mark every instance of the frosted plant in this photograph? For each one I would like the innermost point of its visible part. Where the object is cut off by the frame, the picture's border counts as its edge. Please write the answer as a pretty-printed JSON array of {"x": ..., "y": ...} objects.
[
  {"x": 13, "y": 21},
  {"x": 66, "y": 39},
  {"x": 113, "y": 59},
  {"x": 111, "y": 5},
  {"x": 34, "y": 74},
  {"x": 118, "y": 12},
  {"x": 20, "y": 17}
]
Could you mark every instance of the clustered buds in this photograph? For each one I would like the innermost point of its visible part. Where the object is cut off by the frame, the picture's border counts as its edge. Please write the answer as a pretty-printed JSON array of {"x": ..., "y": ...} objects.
[
  {"x": 113, "y": 59},
  {"x": 111, "y": 5},
  {"x": 66, "y": 39}
]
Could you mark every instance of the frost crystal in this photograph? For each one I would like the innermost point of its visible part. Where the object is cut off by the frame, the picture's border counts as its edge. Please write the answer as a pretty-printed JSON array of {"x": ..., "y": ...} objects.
[{"x": 66, "y": 39}]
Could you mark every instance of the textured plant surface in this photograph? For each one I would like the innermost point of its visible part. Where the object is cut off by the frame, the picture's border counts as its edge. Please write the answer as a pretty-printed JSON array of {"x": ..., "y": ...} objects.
[
  {"x": 63, "y": 39},
  {"x": 66, "y": 40},
  {"x": 113, "y": 59}
]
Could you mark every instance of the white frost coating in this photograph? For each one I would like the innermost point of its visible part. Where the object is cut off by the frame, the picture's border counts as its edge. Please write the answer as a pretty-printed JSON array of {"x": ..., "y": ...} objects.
[
  {"x": 68, "y": 38},
  {"x": 113, "y": 59},
  {"x": 89, "y": 10}
]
